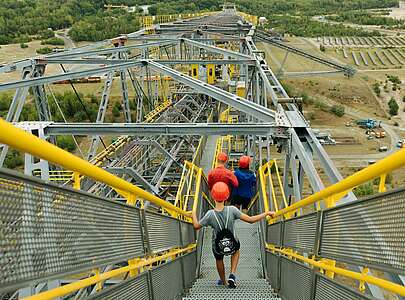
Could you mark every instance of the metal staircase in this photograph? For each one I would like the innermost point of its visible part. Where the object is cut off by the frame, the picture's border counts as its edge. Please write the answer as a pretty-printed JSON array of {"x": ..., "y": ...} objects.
[{"x": 250, "y": 278}]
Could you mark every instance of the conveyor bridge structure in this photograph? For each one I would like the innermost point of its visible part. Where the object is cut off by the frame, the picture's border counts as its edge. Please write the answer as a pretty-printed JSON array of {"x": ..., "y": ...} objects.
[{"x": 115, "y": 223}]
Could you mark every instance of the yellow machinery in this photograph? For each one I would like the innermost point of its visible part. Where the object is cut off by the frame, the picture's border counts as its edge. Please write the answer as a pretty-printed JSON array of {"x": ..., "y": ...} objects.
[{"x": 211, "y": 79}]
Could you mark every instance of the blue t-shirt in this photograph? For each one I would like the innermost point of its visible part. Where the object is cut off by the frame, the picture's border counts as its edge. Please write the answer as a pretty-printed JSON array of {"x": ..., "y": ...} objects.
[{"x": 247, "y": 183}]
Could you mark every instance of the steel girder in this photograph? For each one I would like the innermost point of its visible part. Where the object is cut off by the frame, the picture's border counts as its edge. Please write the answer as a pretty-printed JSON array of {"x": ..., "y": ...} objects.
[
  {"x": 263, "y": 129},
  {"x": 134, "y": 174},
  {"x": 69, "y": 75},
  {"x": 78, "y": 52},
  {"x": 210, "y": 48},
  {"x": 250, "y": 108},
  {"x": 239, "y": 61}
]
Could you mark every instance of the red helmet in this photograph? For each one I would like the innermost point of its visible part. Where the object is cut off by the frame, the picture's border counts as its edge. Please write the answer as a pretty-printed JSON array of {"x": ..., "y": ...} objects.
[
  {"x": 244, "y": 162},
  {"x": 220, "y": 192},
  {"x": 222, "y": 157}
]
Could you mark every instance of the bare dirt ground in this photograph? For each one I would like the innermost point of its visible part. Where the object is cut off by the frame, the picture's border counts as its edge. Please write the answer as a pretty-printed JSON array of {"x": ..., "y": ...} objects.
[
  {"x": 398, "y": 12},
  {"x": 355, "y": 94}
]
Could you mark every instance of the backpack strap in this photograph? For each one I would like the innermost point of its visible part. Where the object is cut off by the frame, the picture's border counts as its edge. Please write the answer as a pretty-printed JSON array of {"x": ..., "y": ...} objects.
[
  {"x": 227, "y": 217},
  {"x": 216, "y": 218}
]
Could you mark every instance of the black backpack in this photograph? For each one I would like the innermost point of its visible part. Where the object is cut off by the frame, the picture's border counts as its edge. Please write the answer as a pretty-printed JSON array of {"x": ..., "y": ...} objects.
[{"x": 225, "y": 242}]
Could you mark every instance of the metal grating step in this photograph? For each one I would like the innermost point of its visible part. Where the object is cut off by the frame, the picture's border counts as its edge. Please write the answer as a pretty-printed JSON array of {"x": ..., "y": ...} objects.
[{"x": 250, "y": 282}]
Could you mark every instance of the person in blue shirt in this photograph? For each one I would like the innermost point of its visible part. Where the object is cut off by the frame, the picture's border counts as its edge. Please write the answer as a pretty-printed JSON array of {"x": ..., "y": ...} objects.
[{"x": 242, "y": 194}]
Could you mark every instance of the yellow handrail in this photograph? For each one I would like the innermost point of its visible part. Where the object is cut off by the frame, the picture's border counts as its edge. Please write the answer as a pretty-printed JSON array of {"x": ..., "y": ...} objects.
[
  {"x": 20, "y": 140},
  {"x": 75, "y": 286},
  {"x": 385, "y": 284},
  {"x": 384, "y": 166}
]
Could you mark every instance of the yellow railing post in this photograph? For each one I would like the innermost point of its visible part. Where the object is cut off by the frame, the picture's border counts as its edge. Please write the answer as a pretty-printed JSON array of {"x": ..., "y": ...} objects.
[
  {"x": 329, "y": 267},
  {"x": 381, "y": 186},
  {"x": 362, "y": 283},
  {"x": 76, "y": 180},
  {"x": 328, "y": 262}
]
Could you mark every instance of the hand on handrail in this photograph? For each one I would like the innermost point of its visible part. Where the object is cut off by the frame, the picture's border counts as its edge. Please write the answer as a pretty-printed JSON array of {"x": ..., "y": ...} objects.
[{"x": 270, "y": 214}]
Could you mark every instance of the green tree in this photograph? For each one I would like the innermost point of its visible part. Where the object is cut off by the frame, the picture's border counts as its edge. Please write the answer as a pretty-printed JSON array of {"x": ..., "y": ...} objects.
[
  {"x": 376, "y": 89},
  {"x": 393, "y": 107}
]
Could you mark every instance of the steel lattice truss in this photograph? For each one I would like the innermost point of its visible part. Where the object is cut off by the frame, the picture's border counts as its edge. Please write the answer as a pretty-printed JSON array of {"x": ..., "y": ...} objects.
[{"x": 164, "y": 130}]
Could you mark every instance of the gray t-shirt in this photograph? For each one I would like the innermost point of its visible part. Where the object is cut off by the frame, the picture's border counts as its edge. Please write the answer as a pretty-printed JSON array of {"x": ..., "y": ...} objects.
[{"x": 230, "y": 212}]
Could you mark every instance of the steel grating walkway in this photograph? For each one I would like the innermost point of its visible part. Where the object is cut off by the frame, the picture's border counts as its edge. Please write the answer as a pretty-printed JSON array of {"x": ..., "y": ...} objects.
[{"x": 250, "y": 280}]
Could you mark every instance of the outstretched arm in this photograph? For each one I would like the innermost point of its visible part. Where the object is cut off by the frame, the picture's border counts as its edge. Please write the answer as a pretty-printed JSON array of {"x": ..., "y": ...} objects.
[
  {"x": 196, "y": 224},
  {"x": 256, "y": 218}
]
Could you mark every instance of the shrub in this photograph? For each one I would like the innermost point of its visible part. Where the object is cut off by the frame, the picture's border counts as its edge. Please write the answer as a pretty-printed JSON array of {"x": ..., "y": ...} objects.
[
  {"x": 45, "y": 50},
  {"x": 322, "y": 48},
  {"x": 338, "y": 110},
  {"x": 116, "y": 111},
  {"x": 13, "y": 159},
  {"x": 376, "y": 89},
  {"x": 393, "y": 107},
  {"x": 5, "y": 101},
  {"x": 364, "y": 189},
  {"x": 394, "y": 79},
  {"x": 23, "y": 45},
  {"x": 66, "y": 142},
  {"x": 53, "y": 41}
]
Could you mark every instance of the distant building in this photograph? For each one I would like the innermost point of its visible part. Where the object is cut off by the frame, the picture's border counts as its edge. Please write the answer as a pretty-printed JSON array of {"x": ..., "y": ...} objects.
[
  {"x": 262, "y": 20},
  {"x": 145, "y": 9}
]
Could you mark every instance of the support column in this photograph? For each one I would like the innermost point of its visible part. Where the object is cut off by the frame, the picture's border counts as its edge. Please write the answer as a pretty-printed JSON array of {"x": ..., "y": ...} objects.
[
  {"x": 14, "y": 112},
  {"x": 101, "y": 114}
]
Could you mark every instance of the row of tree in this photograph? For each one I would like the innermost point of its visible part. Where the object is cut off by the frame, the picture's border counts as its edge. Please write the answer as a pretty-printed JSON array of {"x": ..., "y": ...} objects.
[
  {"x": 103, "y": 26},
  {"x": 23, "y": 20}
]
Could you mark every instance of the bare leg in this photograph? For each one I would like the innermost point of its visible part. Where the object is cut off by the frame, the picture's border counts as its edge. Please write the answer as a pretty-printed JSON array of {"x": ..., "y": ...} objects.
[
  {"x": 221, "y": 270},
  {"x": 234, "y": 261}
]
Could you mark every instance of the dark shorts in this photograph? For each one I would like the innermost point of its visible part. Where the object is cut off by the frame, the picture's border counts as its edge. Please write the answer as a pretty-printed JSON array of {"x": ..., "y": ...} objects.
[
  {"x": 241, "y": 201},
  {"x": 221, "y": 257}
]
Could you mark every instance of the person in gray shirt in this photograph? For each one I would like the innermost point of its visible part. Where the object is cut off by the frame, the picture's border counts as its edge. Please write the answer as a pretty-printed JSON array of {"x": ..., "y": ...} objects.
[{"x": 227, "y": 215}]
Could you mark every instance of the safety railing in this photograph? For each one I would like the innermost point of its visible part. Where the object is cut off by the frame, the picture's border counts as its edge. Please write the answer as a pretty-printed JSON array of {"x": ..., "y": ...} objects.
[
  {"x": 250, "y": 18},
  {"x": 108, "y": 152},
  {"x": 308, "y": 250},
  {"x": 67, "y": 176},
  {"x": 161, "y": 107},
  {"x": 188, "y": 180},
  {"x": 148, "y": 22},
  {"x": 51, "y": 231},
  {"x": 272, "y": 186}
]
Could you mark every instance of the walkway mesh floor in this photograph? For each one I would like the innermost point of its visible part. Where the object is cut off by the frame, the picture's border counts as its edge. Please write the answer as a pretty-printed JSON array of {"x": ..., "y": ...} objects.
[{"x": 250, "y": 281}]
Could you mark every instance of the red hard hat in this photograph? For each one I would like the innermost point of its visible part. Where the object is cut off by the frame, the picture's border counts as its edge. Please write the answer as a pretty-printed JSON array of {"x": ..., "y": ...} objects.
[
  {"x": 222, "y": 157},
  {"x": 220, "y": 192},
  {"x": 244, "y": 162}
]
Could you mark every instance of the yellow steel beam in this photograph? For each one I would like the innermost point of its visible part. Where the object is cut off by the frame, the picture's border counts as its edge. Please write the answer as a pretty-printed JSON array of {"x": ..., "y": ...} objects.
[
  {"x": 75, "y": 286},
  {"x": 362, "y": 277},
  {"x": 197, "y": 190},
  {"x": 263, "y": 188},
  {"x": 25, "y": 142}
]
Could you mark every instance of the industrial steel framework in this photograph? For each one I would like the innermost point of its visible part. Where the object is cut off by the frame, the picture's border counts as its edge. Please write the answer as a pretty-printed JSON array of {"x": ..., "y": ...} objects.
[{"x": 181, "y": 84}]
